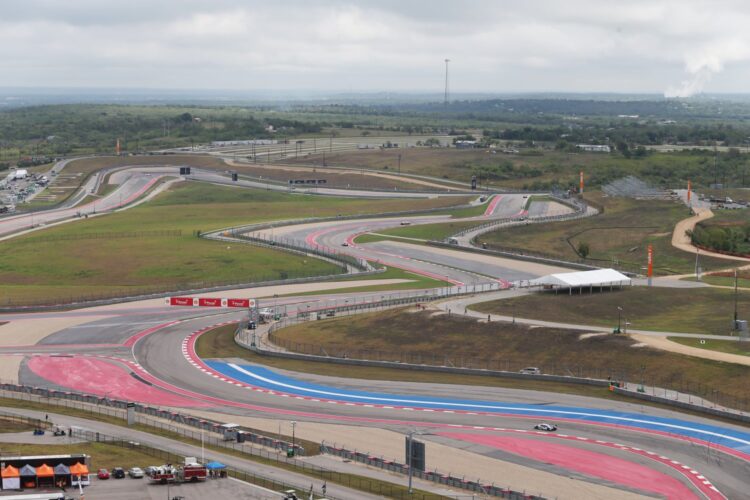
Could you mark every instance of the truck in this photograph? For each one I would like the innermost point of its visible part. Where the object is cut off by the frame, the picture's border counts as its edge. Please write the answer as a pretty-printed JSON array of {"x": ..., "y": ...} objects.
[
  {"x": 162, "y": 474},
  {"x": 192, "y": 472}
]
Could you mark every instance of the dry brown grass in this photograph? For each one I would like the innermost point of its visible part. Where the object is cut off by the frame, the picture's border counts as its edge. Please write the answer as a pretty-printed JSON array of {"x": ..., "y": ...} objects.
[{"x": 421, "y": 337}]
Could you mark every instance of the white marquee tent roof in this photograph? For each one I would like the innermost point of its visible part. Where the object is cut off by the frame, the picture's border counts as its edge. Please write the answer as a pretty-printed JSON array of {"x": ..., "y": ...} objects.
[{"x": 598, "y": 277}]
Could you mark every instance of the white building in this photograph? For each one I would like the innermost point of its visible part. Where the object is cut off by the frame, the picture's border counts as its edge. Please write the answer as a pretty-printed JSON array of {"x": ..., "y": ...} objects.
[{"x": 594, "y": 148}]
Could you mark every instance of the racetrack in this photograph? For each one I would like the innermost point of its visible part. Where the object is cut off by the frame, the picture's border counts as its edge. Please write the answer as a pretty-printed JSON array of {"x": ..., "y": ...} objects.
[{"x": 143, "y": 351}]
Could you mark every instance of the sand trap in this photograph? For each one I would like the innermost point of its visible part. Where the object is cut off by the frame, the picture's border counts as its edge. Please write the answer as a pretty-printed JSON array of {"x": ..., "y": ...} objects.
[
  {"x": 9, "y": 366},
  {"x": 32, "y": 330},
  {"x": 389, "y": 444},
  {"x": 585, "y": 336}
]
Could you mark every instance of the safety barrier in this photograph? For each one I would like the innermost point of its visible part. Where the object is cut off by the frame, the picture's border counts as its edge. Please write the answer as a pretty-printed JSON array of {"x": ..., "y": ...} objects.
[{"x": 434, "y": 476}]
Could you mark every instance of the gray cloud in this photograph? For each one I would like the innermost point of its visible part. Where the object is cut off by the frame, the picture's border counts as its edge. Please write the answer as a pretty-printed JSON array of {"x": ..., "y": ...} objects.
[{"x": 680, "y": 47}]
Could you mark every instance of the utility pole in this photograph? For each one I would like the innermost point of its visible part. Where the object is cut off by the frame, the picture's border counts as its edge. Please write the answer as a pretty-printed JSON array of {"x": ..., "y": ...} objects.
[
  {"x": 445, "y": 97},
  {"x": 736, "y": 324}
]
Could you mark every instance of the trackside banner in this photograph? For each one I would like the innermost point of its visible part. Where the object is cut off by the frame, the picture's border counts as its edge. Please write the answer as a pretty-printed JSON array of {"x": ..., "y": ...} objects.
[{"x": 210, "y": 302}]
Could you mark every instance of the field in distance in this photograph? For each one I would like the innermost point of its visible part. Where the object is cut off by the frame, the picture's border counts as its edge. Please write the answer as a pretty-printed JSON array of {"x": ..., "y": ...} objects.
[
  {"x": 707, "y": 311},
  {"x": 618, "y": 237}
]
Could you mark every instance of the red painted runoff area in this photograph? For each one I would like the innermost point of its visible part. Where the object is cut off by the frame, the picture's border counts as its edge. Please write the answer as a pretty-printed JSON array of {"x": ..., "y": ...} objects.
[
  {"x": 99, "y": 377},
  {"x": 587, "y": 462}
]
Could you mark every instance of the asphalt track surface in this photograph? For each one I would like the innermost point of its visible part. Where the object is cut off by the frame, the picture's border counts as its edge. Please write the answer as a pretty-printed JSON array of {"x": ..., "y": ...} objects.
[{"x": 145, "y": 353}]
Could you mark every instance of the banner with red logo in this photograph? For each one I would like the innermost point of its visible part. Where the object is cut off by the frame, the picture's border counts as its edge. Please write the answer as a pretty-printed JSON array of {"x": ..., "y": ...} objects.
[
  {"x": 210, "y": 302},
  {"x": 180, "y": 301}
]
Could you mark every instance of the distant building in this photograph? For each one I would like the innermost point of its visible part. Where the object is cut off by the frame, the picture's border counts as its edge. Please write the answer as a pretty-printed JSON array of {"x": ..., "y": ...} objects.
[
  {"x": 466, "y": 144},
  {"x": 594, "y": 148},
  {"x": 249, "y": 142}
]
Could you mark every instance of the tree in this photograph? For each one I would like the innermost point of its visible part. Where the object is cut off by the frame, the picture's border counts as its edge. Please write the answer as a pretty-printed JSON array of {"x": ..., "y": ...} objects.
[{"x": 583, "y": 249}]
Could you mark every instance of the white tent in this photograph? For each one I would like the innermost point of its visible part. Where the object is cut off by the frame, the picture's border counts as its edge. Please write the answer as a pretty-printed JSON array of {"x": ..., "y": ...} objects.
[{"x": 583, "y": 279}]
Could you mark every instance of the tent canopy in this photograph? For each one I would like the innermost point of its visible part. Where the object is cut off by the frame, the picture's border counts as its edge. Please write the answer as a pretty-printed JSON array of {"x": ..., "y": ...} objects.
[
  {"x": 78, "y": 469},
  {"x": 215, "y": 465},
  {"x": 45, "y": 470},
  {"x": 598, "y": 277},
  {"x": 27, "y": 470},
  {"x": 62, "y": 470},
  {"x": 9, "y": 471}
]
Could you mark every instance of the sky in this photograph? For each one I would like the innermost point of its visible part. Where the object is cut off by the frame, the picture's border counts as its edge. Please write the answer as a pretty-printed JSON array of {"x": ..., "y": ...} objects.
[{"x": 676, "y": 48}]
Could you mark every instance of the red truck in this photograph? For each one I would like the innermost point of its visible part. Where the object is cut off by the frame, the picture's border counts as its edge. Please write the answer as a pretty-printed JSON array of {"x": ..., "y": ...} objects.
[{"x": 192, "y": 471}]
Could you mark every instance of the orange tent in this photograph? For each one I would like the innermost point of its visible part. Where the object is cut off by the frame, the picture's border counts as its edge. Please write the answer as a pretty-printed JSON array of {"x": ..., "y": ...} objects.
[
  {"x": 9, "y": 471},
  {"x": 45, "y": 470},
  {"x": 78, "y": 469}
]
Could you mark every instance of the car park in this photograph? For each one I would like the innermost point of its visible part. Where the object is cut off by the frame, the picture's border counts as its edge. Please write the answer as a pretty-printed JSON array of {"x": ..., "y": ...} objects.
[
  {"x": 135, "y": 472},
  {"x": 545, "y": 427}
]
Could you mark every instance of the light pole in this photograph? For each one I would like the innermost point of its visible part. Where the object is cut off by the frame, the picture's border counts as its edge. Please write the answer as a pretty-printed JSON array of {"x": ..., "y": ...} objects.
[
  {"x": 410, "y": 437},
  {"x": 294, "y": 424},
  {"x": 619, "y": 319}
]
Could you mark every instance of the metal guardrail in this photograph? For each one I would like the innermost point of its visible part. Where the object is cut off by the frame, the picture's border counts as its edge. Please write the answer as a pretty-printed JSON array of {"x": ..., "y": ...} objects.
[{"x": 434, "y": 476}]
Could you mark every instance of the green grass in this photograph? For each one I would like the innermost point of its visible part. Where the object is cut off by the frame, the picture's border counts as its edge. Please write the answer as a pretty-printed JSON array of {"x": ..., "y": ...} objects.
[
  {"x": 728, "y": 346},
  {"x": 416, "y": 282},
  {"x": 622, "y": 234},
  {"x": 437, "y": 231},
  {"x": 696, "y": 310},
  {"x": 48, "y": 265},
  {"x": 723, "y": 281}
]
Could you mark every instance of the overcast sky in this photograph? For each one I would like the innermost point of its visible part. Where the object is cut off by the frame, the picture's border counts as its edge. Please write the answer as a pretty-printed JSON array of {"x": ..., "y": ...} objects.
[{"x": 674, "y": 47}]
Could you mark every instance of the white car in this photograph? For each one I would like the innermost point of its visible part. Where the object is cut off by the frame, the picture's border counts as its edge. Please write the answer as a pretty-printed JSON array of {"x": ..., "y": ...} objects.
[
  {"x": 530, "y": 370},
  {"x": 135, "y": 472},
  {"x": 545, "y": 427}
]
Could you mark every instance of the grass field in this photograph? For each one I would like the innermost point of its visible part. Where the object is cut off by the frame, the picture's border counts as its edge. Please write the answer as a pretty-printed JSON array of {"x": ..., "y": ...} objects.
[
  {"x": 220, "y": 344},
  {"x": 415, "y": 282},
  {"x": 531, "y": 169},
  {"x": 52, "y": 265},
  {"x": 8, "y": 425},
  {"x": 697, "y": 310},
  {"x": 425, "y": 232},
  {"x": 103, "y": 455},
  {"x": 421, "y": 337},
  {"x": 620, "y": 235}
]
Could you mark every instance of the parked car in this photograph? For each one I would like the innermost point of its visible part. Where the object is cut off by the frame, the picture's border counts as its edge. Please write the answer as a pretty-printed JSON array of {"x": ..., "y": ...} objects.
[
  {"x": 405, "y": 223},
  {"x": 135, "y": 472},
  {"x": 118, "y": 473},
  {"x": 103, "y": 474},
  {"x": 545, "y": 427},
  {"x": 530, "y": 370}
]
